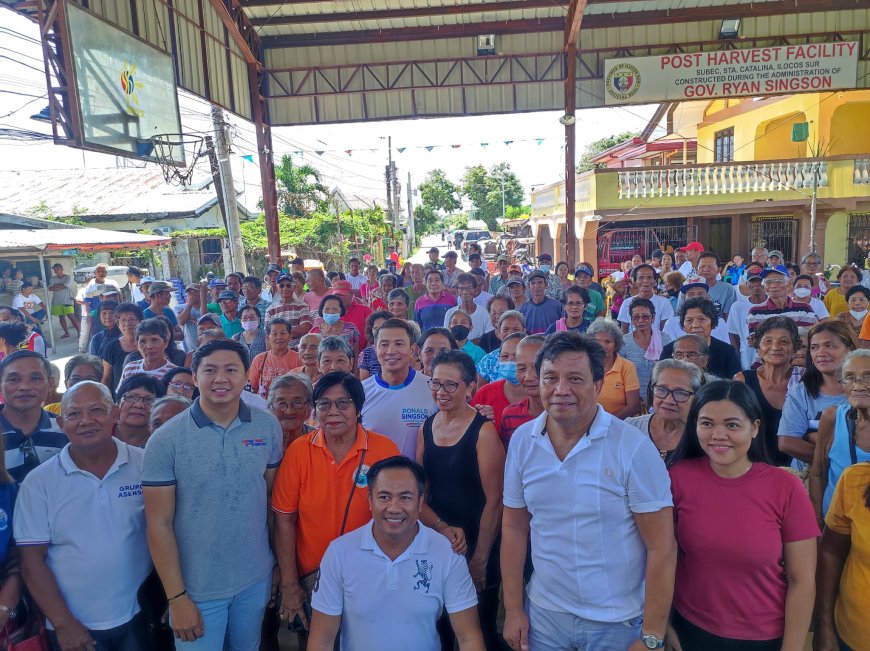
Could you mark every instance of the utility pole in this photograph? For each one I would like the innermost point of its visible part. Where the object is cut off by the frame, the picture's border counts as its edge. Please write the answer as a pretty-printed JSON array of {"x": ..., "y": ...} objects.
[
  {"x": 397, "y": 196},
  {"x": 411, "y": 235},
  {"x": 815, "y": 169},
  {"x": 231, "y": 206},
  {"x": 389, "y": 178}
]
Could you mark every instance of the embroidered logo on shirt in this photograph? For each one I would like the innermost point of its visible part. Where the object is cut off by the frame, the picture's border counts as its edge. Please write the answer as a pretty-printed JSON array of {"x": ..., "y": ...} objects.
[
  {"x": 4, "y": 520},
  {"x": 424, "y": 571},
  {"x": 254, "y": 443},
  {"x": 130, "y": 490},
  {"x": 362, "y": 478}
]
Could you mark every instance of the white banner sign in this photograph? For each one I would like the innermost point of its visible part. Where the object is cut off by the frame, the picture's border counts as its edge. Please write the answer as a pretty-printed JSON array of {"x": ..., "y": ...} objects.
[{"x": 731, "y": 73}]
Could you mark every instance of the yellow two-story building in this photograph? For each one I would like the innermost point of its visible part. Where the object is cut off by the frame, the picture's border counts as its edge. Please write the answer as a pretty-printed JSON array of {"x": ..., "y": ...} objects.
[{"x": 732, "y": 174}]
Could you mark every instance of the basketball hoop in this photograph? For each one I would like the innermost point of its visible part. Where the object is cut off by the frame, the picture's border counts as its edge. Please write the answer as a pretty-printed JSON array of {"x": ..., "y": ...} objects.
[{"x": 170, "y": 149}]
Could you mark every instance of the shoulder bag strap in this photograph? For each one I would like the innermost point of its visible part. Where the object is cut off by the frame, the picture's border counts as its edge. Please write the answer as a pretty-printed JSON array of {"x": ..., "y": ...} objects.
[
  {"x": 353, "y": 484},
  {"x": 851, "y": 423}
]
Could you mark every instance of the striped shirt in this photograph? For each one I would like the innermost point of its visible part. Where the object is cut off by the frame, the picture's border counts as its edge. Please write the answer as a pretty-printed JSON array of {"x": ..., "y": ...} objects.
[
  {"x": 295, "y": 312},
  {"x": 802, "y": 314},
  {"x": 138, "y": 366},
  {"x": 25, "y": 451}
]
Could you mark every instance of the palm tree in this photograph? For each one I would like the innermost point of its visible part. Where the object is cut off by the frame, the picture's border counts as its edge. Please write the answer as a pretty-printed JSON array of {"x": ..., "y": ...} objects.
[{"x": 300, "y": 191}]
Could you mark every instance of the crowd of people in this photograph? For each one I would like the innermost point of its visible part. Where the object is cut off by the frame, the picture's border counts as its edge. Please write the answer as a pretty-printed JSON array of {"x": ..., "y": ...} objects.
[{"x": 675, "y": 456}]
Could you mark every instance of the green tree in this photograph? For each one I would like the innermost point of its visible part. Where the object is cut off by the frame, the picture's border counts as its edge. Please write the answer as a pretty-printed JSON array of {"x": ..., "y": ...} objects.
[
  {"x": 42, "y": 211},
  {"x": 438, "y": 196},
  {"x": 300, "y": 188},
  {"x": 597, "y": 146},
  {"x": 484, "y": 189}
]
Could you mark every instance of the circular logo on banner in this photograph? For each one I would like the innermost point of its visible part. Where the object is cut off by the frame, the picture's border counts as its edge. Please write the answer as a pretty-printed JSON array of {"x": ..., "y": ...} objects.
[
  {"x": 623, "y": 81},
  {"x": 362, "y": 479}
]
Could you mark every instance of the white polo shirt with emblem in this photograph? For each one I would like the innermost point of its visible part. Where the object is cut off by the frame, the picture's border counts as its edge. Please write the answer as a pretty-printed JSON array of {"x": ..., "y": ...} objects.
[
  {"x": 588, "y": 555},
  {"x": 392, "y": 605},
  {"x": 94, "y": 530}
]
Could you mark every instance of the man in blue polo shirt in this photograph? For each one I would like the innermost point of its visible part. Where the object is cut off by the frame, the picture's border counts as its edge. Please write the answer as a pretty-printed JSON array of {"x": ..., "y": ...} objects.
[
  {"x": 384, "y": 585},
  {"x": 30, "y": 434},
  {"x": 160, "y": 295},
  {"x": 206, "y": 480},
  {"x": 540, "y": 310}
]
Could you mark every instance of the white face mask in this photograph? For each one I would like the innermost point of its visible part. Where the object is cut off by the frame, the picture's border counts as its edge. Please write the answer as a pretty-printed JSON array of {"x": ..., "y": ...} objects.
[
  {"x": 802, "y": 292},
  {"x": 250, "y": 326},
  {"x": 858, "y": 315}
]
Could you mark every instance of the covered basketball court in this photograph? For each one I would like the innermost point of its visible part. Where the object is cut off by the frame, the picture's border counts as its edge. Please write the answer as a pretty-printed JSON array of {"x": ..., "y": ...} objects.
[{"x": 295, "y": 62}]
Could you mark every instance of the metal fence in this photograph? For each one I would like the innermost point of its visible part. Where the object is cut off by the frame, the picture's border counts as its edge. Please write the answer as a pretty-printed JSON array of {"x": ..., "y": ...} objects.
[
  {"x": 776, "y": 233},
  {"x": 615, "y": 245},
  {"x": 859, "y": 238}
]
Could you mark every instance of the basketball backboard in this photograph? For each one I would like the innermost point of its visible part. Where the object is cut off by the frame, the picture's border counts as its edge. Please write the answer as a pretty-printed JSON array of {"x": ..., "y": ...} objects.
[{"x": 125, "y": 88}]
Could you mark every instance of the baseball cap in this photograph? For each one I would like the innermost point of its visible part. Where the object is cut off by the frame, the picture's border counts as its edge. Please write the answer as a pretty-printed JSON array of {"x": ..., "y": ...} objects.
[
  {"x": 693, "y": 281},
  {"x": 545, "y": 256},
  {"x": 217, "y": 282},
  {"x": 478, "y": 272},
  {"x": 434, "y": 249},
  {"x": 227, "y": 295},
  {"x": 146, "y": 279},
  {"x": 159, "y": 286},
  {"x": 273, "y": 267},
  {"x": 584, "y": 268},
  {"x": 693, "y": 246},
  {"x": 536, "y": 274},
  {"x": 778, "y": 269},
  {"x": 192, "y": 287},
  {"x": 776, "y": 253},
  {"x": 284, "y": 277},
  {"x": 515, "y": 281},
  {"x": 342, "y": 288},
  {"x": 515, "y": 267},
  {"x": 109, "y": 289},
  {"x": 297, "y": 260},
  {"x": 214, "y": 318},
  {"x": 503, "y": 258},
  {"x": 475, "y": 256}
]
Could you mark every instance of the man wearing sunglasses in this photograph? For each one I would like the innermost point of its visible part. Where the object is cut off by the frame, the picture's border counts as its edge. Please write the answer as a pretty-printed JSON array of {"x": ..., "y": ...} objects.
[
  {"x": 291, "y": 309},
  {"x": 31, "y": 435}
]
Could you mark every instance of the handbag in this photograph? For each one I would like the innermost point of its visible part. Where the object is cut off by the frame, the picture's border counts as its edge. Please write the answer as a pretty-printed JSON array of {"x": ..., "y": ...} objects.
[{"x": 32, "y": 636}]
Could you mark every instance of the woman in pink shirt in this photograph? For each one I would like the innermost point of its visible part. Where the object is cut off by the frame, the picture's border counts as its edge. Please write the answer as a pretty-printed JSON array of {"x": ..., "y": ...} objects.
[{"x": 746, "y": 533}]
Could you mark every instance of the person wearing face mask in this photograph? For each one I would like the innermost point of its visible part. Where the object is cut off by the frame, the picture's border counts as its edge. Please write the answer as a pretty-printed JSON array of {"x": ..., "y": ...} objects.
[
  {"x": 252, "y": 335},
  {"x": 331, "y": 311},
  {"x": 530, "y": 407},
  {"x": 460, "y": 327},
  {"x": 554, "y": 285},
  {"x": 858, "y": 298},
  {"x": 491, "y": 399},
  {"x": 803, "y": 293}
]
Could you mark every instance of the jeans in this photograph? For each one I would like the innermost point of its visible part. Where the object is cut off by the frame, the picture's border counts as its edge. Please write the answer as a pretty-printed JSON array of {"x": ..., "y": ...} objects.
[
  {"x": 126, "y": 637},
  {"x": 694, "y": 638},
  {"x": 234, "y": 623},
  {"x": 550, "y": 630}
]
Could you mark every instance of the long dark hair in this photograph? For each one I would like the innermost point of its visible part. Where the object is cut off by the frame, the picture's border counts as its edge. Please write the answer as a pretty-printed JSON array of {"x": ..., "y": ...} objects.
[
  {"x": 813, "y": 378},
  {"x": 743, "y": 399}
]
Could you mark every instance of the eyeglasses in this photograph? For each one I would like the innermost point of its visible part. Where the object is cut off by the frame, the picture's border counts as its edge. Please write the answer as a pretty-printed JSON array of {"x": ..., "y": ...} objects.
[
  {"x": 851, "y": 380},
  {"x": 128, "y": 322},
  {"x": 691, "y": 355},
  {"x": 437, "y": 385},
  {"x": 296, "y": 405},
  {"x": 575, "y": 304},
  {"x": 641, "y": 317},
  {"x": 342, "y": 404},
  {"x": 679, "y": 395},
  {"x": 135, "y": 399},
  {"x": 774, "y": 281},
  {"x": 182, "y": 386}
]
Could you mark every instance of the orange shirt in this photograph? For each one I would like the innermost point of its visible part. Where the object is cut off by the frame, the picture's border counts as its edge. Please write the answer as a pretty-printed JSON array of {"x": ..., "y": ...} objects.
[
  {"x": 266, "y": 367},
  {"x": 617, "y": 382},
  {"x": 310, "y": 483},
  {"x": 865, "y": 330}
]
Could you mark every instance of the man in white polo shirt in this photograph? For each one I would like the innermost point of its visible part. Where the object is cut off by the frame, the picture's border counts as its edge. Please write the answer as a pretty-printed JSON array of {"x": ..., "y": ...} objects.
[
  {"x": 385, "y": 584},
  {"x": 398, "y": 399},
  {"x": 604, "y": 556},
  {"x": 80, "y": 525}
]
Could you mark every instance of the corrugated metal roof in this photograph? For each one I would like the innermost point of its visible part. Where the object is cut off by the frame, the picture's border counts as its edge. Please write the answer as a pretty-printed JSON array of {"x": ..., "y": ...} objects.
[{"x": 86, "y": 239}]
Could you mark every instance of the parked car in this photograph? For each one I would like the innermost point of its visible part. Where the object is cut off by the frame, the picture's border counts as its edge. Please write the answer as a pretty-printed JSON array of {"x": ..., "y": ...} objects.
[
  {"x": 473, "y": 236},
  {"x": 117, "y": 273}
]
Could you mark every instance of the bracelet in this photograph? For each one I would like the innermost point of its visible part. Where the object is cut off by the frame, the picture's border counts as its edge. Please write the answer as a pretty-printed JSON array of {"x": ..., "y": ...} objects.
[{"x": 178, "y": 596}]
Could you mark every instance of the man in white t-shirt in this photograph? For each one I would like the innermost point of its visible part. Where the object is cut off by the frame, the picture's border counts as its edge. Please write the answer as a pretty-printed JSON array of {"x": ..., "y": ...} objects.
[
  {"x": 384, "y": 585},
  {"x": 466, "y": 285},
  {"x": 738, "y": 319},
  {"x": 693, "y": 251},
  {"x": 645, "y": 279},
  {"x": 398, "y": 399},
  {"x": 354, "y": 277}
]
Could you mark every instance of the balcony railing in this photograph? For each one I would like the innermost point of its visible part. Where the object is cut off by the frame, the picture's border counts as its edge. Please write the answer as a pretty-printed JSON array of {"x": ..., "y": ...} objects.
[
  {"x": 726, "y": 178},
  {"x": 862, "y": 171}
]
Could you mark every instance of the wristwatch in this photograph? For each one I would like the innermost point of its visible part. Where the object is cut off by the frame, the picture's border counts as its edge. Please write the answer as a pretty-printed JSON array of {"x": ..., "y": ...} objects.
[
  {"x": 651, "y": 641},
  {"x": 9, "y": 612}
]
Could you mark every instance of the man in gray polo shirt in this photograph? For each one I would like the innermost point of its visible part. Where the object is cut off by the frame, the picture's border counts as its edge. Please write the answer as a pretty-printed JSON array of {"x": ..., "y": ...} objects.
[{"x": 207, "y": 477}]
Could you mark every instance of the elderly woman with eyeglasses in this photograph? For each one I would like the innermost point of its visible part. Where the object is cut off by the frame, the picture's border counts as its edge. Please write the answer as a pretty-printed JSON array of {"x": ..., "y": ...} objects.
[
  {"x": 290, "y": 401},
  {"x": 672, "y": 387},
  {"x": 136, "y": 395},
  {"x": 320, "y": 489}
]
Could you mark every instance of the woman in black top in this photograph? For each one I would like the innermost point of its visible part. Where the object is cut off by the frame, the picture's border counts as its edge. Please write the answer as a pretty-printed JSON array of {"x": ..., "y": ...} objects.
[
  {"x": 464, "y": 461},
  {"x": 776, "y": 340}
]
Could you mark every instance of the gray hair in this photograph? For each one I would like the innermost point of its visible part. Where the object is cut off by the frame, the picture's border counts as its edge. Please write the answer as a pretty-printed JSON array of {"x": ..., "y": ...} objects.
[
  {"x": 512, "y": 314},
  {"x": 311, "y": 334},
  {"x": 181, "y": 400},
  {"x": 463, "y": 312},
  {"x": 417, "y": 331},
  {"x": 811, "y": 254},
  {"x": 289, "y": 380},
  {"x": 860, "y": 353},
  {"x": 83, "y": 359},
  {"x": 609, "y": 328},
  {"x": 695, "y": 375},
  {"x": 336, "y": 344},
  {"x": 105, "y": 394},
  {"x": 760, "y": 248},
  {"x": 703, "y": 346}
]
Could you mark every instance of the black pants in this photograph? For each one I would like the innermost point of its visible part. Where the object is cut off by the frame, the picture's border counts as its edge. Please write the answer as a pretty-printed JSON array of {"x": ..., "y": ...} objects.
[
  {"x": 693, "y": 638},
  {"x": 126, "y": 637},
  {"x": 487, "y": 612}
]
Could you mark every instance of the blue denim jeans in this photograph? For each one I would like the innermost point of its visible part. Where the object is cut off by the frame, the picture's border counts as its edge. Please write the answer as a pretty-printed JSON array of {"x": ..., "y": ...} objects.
[
  {"x": 232, "y": 624},
  {"x": 550, "y": 630},
  {"x": 126, "y": 637}
]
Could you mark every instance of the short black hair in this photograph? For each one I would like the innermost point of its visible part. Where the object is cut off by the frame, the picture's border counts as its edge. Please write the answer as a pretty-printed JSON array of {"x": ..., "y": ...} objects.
[
  {"x": 743, "y": 398},
  {"x": 171, "y": 373},
  {"x": 804, "y": 277},
  {"x": 635, "y": 271},
  {"x": 331, "y": 297},
  {"x": 279, "y": 321},
  {"x": 398, "y": 324},
  {"x": 130, "y": 308},
  {"x": 351, "y": 384},
  {"x": 572, "y": 342},
  {"x": 582, "y": 292},
  {"x": 467, "y": 278},
  {"x": 705, "y": 305},
  {"x": 13, "y": 334},
  {"x": 254, "y": 281},
  {"x": 154, "y": 326},
  {"x": 109, "y": 306},
  {"x": 140, "y": 381},
  {"x": 779, "y": 323},
  {"x": 438, "y": 331},
  {"x": 400, "y": 294},
  {"x": 458, "y": 358},
  {"x": 236, "y": 274},
  {"x": 858, "y": 289},
  {"x": 397, "y": 462},
  {"x": 374, "y": 316},
  {"x": 500, "y": 297},
  {"x": 711, "y": 254},
  {"x": 251, "y": 307},
  {"x": 215, "y": 345},
  {"x": 133, "y": 271},
  {"x": 434, "y": 271},
  {"x": 26, "y": 284},
  {"x": 639, "y": 301}
]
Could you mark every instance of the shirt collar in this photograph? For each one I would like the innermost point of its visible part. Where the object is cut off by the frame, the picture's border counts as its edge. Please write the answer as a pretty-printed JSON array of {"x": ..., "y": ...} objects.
[
  {"x": 69, "y": 466},
  {"x": 598, "y": 429},
  {"x": 380, "y": 381},
  {"x": 45, "y": 422},
  {"x": 201, "y": 420},
  {"x": 361, "y": 442},
  {"x": 420, "y": 544}
]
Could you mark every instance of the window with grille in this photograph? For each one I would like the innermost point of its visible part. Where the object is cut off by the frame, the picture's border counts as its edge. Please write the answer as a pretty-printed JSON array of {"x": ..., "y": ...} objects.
[
  {"x": 859, "y": 238},
  {"x": 723, "y": 146}
]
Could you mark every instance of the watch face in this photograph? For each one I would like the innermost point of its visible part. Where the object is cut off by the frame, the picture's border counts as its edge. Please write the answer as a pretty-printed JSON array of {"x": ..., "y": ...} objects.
[{"x": 651, "y": 642}]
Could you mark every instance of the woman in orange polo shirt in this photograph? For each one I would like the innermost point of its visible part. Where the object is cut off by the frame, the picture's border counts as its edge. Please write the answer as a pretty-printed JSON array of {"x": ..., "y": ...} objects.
[
  {"x": 320, "y": 489},
  {"x": 620, "y": 393}
]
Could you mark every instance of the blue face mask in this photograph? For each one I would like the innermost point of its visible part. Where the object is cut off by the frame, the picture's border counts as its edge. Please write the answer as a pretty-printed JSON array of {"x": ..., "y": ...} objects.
[
  {"x": 545, "y": 268},
  {"x": 331, "y": 319},
  {"x": 508, "y": 371}
]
